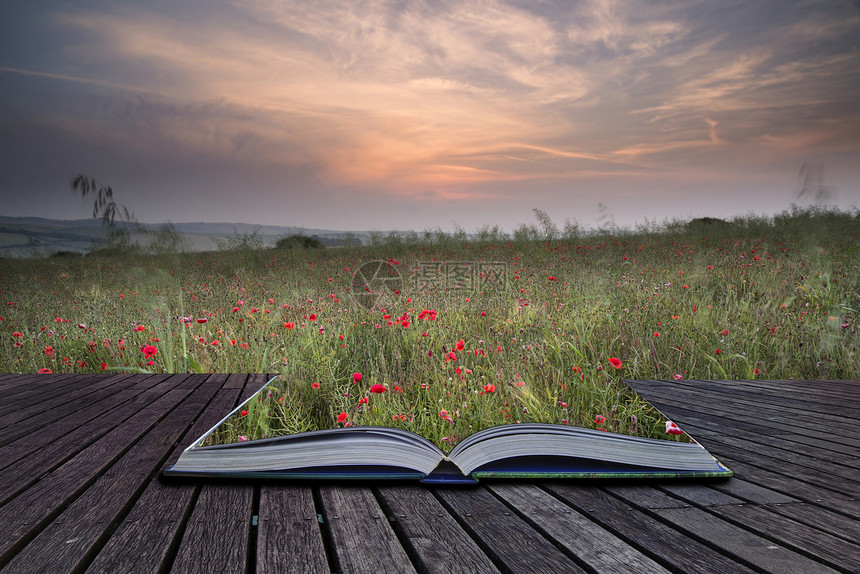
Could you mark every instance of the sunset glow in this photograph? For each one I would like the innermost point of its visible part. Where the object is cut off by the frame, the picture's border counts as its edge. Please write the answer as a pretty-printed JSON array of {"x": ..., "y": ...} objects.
[{"x": 284, "y": 112}]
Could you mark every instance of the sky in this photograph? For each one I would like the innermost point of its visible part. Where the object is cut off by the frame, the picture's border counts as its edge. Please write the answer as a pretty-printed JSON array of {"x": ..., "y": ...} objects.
[{"x": 374, "y": 115}]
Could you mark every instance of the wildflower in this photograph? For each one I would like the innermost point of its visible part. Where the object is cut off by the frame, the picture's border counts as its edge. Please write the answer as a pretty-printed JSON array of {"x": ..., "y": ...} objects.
[
  {"x": 451, "y": 356},
  {"x": 490, "y": 388},
  {"x": 315, "y": 385},
  {"x": 45, "y": 371},
  {"x": 718, "y": 352},
  {"x": 672, "y": 428},
  {"x": 356, "y": 377},
  {"x": 678, "y": 377},
  {"x": 461, "y": 344},
  {"x": 140, "y": 328},
  {"x": 377, "y": 389},
  {"x": 656, "y": 334},
  {"x": 615, "y": 362},
  {"x": 148, "y": 351},
  {"x": 201, "y": 321},
  {"x": 443, "y": 414},
  {"x": 103, "y": 365},
  {"x": 49, "y": 351},
  {"x": 552, "y": 278},
  {"x": 289, "y": 325},
  {"x": 242, "y": 438},
  {"x": 244, "y": 413},
  {"x": 17, "y": 334},
  {"x": 312, "y": 317},
  {"x": 599, "y": 419}
]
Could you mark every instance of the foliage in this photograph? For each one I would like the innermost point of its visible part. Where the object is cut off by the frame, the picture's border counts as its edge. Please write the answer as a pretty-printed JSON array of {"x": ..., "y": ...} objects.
[
  {"x": 755, "y": 298},
  {"x": 298, "y": 241}
]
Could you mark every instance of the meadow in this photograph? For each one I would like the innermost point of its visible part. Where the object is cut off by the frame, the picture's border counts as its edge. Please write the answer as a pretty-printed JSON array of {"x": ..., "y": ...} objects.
[{"x": 446, "y": 334}]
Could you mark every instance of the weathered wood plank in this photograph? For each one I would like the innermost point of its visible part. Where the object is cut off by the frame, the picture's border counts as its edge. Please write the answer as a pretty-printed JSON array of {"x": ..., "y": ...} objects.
[
  {"x": 438, "y": 543},
  {"x": 27, "y": 513},
  {"x": 50, "y": 456},
  {"x": 506, "y": 537},
  {"x": 39, "y": 452},
  {"x": 663, "y": 544},
  {"x": 731, "y": 491},
  {"x": 78, "y": 531},
  {"x": 216, "y": 536},
  {"x": 828, "y": 433},
  {"x": 821, "y": 518},
  {"x": 780, "y": 411},
  {"x": 363, "y": 540},
  {"x": 31, "y": 416},
  {"x": 817, "y": 493},
  {"x": 22, "y": 389},
  {"x": 832, "y": 550},
  {"x": 288, "y": 535},
  {"x": 143, "y": 540},
  {"x": 739, "y": 543},
  {"x": 598, "y": 548},
  {"x": 788, "y": 448}
]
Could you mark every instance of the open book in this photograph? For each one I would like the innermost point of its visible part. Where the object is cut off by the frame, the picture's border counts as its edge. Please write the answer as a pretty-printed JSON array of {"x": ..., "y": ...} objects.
[{"x": 523, "y": 450}]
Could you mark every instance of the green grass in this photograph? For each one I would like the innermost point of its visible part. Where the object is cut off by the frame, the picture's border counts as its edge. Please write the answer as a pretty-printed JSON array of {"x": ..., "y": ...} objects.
[{"x": 757, "y": 298}]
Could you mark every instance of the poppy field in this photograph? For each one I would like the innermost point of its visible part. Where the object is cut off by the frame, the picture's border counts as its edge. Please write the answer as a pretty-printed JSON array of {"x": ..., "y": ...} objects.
[{"x": 541, "y": 330}]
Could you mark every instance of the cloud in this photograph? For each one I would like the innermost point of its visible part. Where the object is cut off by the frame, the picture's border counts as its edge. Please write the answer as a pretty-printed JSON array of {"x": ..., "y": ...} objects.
[{"x": 458, "y": 97}]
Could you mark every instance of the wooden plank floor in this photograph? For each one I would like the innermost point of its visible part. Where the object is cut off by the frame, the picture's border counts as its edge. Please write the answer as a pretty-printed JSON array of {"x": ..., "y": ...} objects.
[{"x": 81, "y": 491}]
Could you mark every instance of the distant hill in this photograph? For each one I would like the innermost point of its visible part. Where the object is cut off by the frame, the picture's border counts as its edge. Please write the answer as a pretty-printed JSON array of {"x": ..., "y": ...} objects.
[{"x": 34, "y": 236}]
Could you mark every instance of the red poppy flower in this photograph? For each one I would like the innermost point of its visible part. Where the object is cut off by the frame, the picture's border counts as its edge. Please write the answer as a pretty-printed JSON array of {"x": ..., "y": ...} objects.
[
  {"x": 202, "y": 320},
  {"x": 356, "y": 377},
  {"x": 490, "y": 388},
  {"x": 452, "y": 356},
  {"x": 599, "y": 419},
  {"x": 461, "y": 344},
  {"x": 243, "y": 413},
  {"x": 149, "y": 351},
  {"x": 315, "y": 385},
  {"x": 615, "y": 362},
  {"x": 289, "y": 325},
  {"x": 672, "y": 428},
  {"x": 377, "y": 389},
  {"x": 341, "y": 417},
  {"x": 45, "y": 371}
]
